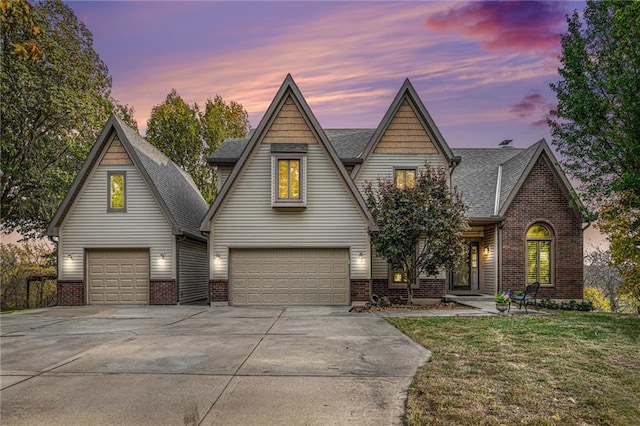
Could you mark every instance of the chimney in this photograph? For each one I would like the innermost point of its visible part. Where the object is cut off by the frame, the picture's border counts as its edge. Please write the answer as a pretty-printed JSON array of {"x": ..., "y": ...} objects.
[{"x": 505, "y": 143}]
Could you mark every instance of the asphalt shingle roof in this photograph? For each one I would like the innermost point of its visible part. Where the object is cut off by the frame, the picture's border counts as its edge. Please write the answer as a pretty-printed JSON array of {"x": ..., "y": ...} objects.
[{"x": 174, "y": 185}]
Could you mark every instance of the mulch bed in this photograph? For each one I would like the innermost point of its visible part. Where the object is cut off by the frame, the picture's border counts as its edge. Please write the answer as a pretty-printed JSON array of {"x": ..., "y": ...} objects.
[{"x": 394, "y": 307}]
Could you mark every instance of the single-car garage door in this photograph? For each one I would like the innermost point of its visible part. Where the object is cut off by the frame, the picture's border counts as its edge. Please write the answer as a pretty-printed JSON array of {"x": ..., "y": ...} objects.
[
  {"x": 289, "y": 276},
  {"x": 118, "y": 276}
]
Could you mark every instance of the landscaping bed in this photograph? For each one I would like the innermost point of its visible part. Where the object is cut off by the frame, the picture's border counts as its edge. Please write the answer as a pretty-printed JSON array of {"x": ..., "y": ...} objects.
[{"x": 403, "y": 307}]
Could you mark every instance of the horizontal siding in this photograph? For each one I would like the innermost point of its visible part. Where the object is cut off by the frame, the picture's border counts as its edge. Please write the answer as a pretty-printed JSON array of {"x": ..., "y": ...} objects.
[
  {"x": 489, "y": 280},
  {"x": 89, "y": 225},
  {"x": 381, "y": 165},
  {"x": 223, "y": 174},
  {"x": 331, "y": 218},
  {"x": 193, "y": 271}
]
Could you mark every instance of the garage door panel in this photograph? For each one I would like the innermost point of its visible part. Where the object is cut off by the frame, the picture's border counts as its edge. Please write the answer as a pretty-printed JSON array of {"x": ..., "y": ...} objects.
[
  {"x": 118, "y": 276},
  {"x": 289, "y": 276}
]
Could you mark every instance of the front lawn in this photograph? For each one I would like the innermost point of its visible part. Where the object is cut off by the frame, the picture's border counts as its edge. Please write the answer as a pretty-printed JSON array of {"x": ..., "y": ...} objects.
[{"x": 564, "y": 369}]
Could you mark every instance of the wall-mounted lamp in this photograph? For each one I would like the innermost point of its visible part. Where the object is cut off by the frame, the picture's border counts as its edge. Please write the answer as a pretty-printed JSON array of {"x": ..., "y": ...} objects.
[
  {"x": 360, "y": 258},
  {"x": 216, "y": 259},
  {"x": 69, "y": 256},
  {"x": 486, "y": 251},
  {"x": 162, "y": 256}
]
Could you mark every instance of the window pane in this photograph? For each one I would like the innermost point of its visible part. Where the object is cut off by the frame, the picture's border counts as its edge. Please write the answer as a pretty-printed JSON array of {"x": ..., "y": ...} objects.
[
  {"x": 294, "y": 178},
  {"x": 283, "y": 179},
  {"x": 545, "y": 262},
  {"x": 400, "y": 179},
  {"x": 411, "y": 178},
  {"x": 399, "y": 277},
  {"x": 117, "y": 191},
  {"x": 532, "y": 261},
  {"x": 538, "y": 231}
]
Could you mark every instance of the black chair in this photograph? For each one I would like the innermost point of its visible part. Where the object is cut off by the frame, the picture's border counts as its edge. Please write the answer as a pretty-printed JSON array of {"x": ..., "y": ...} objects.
[{"x": 530, "y": 293}]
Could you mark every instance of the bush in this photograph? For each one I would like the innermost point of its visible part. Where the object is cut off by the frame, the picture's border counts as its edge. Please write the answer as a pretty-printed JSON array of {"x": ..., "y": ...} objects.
[
  {"x": 571, "y": 305},
  {"x": 27, "y": 266},
  {"x": 595, "y": 296}
]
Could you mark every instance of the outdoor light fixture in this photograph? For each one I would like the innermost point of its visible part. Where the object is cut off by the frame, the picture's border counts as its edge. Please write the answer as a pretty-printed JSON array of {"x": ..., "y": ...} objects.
[
  {"x": 161, "y": 256},
  {"x": 360, "y": 258},
  {"x": 486, "y": 251},
  {"x": 216, "y": 259},
  {"x": 70, "y": 257}
]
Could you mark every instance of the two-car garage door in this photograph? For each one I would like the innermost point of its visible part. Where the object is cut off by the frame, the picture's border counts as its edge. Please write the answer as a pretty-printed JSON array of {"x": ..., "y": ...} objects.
[
  {"x": 118, "y": 276},
  {"x": 270, "y": 276}
]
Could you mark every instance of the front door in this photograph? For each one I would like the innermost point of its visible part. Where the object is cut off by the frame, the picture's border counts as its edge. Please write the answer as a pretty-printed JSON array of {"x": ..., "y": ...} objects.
[{"x": 466, "y": 275}]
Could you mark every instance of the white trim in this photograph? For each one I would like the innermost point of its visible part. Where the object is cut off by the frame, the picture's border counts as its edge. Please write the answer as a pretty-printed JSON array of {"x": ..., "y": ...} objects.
[{"x": 496, "y": 205}]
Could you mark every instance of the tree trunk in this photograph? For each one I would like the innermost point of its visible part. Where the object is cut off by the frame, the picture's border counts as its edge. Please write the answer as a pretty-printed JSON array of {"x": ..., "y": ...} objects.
[{"x": 411, "y": 278}]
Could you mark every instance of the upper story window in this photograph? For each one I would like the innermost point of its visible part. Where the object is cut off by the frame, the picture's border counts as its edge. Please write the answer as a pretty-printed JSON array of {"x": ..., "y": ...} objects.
[
  {"x": 289, "y": 179},
  {"x": 117, "y": 191},
  {"x": 405, "y": 178},
  {"x": 539, "y": 255},
  {"x": 289, "y": 175}
]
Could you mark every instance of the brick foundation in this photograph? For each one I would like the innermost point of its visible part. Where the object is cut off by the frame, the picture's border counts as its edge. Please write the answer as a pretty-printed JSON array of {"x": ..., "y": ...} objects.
[
  {"x": 163, "y": 292},
  {"x": 218, "y": 290},
  {"x": 541, "y": 200},
  {"x": 70, "y": 293},
  {"x": 360, "y": 291},
  {"x": 430, "y": 288}
]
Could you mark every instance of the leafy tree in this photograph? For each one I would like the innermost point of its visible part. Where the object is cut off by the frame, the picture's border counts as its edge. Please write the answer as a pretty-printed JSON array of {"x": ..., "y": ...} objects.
[
  {"x": 420, "y": 225},
  {"x": 19, "y": 262},
  {"x": 189, "y": 136},
  {"x": 624, "y": 247},
  {"x": 595, "y": 126},
  {"x": 53, "y": 105},
  {"x": 604, "y": 278}
]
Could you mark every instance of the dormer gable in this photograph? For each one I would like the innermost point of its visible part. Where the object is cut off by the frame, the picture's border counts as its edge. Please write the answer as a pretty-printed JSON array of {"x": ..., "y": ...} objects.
[{"x": 406, "y": 128}]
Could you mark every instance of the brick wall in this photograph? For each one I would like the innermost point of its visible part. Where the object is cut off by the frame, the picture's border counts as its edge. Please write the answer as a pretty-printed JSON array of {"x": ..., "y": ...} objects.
[
  {"x": 430, "y": 288},
  {"x": 163, "y": 292},
  {"x": 541, "y": 199},
  {"x": 218, "y": 290},
  {"x": 360, "y": 291},
  {"x": 70, "y": 293}
]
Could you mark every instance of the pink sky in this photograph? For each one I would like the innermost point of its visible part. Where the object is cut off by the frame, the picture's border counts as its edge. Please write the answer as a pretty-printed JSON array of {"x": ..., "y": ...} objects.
[{"x": 482, "y": 68}]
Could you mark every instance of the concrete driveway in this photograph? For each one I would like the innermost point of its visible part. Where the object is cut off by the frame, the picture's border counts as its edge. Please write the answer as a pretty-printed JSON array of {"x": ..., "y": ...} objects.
[{"x": 200, "y": 365}]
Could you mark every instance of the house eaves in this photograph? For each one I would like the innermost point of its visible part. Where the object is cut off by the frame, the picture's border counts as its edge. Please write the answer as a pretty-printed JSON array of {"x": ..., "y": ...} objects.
[
  {"x": 408, "y": 92},
  {"x": 288, "y": 87}
]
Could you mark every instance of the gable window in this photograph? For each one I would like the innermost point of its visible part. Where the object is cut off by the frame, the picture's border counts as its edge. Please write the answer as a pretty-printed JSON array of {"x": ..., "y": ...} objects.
[
  {"x": 540, "y": 255},
  {"x": 289, "y": 179},
  {"x": 405, "y": 178},
  {"x": 116, "y": 191},
  {"x": 288, "y": 175}
]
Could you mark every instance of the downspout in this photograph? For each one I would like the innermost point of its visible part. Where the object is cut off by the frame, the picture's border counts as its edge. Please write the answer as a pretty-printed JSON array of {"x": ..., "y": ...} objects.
[
  {"x": 179, "y": 239},
  {"x": 496, "y": 205},
  {"x": 453, "y": 163}
]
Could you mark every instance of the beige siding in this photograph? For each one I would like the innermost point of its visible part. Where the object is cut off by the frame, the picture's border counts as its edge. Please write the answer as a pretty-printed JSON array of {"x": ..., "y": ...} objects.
[
  {"x": 116, "y": 155},
  {"x": 405, "y": 134},
  {"x": 289, "y": 126},
  {"x": 488, "y": 283},
  {"x": 331, "y": 218},
  {"x": 223, "y": 174},
  {"x": 193, "y": 276},
  {"x": 381, "y": 165},
  {"x": 89, "y": 225}
]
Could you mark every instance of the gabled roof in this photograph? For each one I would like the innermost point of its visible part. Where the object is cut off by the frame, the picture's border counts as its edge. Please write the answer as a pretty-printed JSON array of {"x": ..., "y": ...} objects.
[
  {"x": 407, "y": 92},
  {"x": 489, "y": 178},
  {"x": 288, "y": 88},
  {"x": 172, "y": 187}
]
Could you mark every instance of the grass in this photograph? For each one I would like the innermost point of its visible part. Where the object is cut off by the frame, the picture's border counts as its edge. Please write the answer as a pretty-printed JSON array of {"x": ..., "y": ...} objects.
[{"x": 564, "y": 369}]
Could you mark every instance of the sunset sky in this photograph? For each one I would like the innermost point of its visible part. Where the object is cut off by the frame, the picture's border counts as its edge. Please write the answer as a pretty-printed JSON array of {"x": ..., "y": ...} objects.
[{"x": 482, "y": 68}]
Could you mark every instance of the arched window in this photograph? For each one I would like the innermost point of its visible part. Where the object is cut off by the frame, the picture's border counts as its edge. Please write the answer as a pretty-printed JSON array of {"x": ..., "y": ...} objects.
[{"x": 539, "y": 255}]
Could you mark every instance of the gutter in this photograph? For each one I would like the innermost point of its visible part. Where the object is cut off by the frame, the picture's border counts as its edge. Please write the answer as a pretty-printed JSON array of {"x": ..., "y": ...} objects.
[{"x": 496, "y": 205}]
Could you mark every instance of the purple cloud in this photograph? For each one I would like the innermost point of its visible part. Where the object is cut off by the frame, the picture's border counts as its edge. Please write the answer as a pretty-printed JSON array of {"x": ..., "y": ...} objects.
[
  {"x": 519, "y": 26},
  {"x": 533, "y": 104}
]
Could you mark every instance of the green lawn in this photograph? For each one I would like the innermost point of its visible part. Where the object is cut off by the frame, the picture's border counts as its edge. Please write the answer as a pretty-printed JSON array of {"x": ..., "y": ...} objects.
[{"x": 564, "y": 369}]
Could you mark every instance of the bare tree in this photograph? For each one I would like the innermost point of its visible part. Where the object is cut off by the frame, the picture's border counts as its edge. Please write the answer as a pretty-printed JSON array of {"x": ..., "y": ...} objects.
[{"x": 600, "y": 272}]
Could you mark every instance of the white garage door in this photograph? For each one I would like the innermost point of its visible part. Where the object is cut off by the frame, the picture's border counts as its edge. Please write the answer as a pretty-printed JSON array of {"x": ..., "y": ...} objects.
[
  {"x": 118, "y": 276},
  {"x": 289, "y": 276}
]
